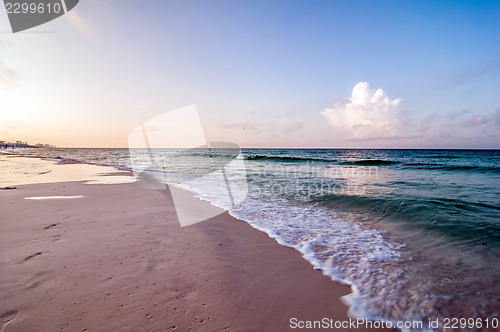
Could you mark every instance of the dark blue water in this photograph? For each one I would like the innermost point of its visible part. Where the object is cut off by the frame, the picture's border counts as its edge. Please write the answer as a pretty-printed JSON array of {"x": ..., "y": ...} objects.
[
  {"x": 415, "y": 232},
  {"x": 452, "y": 192}
]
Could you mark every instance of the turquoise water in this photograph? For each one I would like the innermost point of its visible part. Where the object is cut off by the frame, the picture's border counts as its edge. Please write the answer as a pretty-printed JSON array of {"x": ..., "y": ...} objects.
[{"x": 415, "y": 232}]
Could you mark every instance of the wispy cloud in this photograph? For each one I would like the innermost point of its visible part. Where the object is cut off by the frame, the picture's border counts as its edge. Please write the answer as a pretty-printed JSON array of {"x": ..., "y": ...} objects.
[
  {"x": 384, "y": 138},
  {"x": 493, "y": 117},
  {"x": 427, "y": 122},
  {"x": 265, "y": 126},
  {"x": 457, "y": 114},
  {"x": 478, "y": 120},
  {"x": 367, "y": 113},
  {"x": 468, "y": 75},
  {"x": 7, "y": 75},
  {"x": 79, "y": 23},
  {"x": 245, "y": 125},
  {"x": 291, "y": 125},
  {"x": 473, "y": 73},
  {"x": 496, "y": 116}
]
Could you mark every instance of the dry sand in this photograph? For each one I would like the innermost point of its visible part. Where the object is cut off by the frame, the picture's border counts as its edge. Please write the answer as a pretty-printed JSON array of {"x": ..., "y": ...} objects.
[{"x": 116, "y": 259}]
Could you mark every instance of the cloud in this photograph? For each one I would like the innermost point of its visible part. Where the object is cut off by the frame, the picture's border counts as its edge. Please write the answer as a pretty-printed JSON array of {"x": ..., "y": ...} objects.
[
  {"x": 246, "y": 125},
  {"x": 454, "y": 115},
  {"x": 496, "y": 116},
  {"x": 477, "y": 120},
  {"x": 290, "y": 125},
  {"x": 473, "y": 73},
  {"x": 467, "y": 76},
  {"x": 370, "y": 118},
  {"x": 7, "y": 75},
  {"x": 79, "y": 23},
  {"x": 385, "y": 138},
  {"x": 427, "y": 122},
  {"x": 266, "y": 124},
  {"x": 482, "y": 119},
  {"x": 367, "y": 113}
]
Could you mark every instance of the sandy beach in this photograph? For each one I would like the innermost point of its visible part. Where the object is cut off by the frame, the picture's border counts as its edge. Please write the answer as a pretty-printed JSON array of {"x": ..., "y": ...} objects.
[{"x": 113, "y": 257}]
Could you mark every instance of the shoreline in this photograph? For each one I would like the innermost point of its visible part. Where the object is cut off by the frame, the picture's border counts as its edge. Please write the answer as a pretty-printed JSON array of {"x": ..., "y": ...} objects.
[{"x": 115, "y": 256}]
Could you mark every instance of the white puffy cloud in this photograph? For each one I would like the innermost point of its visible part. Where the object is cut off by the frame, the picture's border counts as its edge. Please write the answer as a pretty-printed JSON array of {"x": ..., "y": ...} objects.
[{"x": 368, "y": 113}]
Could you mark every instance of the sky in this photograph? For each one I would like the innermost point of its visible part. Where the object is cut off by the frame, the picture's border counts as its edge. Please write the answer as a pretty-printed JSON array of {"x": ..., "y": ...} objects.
[{"x": 325, "y": 74}]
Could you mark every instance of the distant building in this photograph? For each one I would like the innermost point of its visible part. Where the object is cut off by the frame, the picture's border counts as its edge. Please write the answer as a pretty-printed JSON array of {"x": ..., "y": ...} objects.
[
  {"x": 21, "y": 144},
  {"x": 44, "y": 146}
]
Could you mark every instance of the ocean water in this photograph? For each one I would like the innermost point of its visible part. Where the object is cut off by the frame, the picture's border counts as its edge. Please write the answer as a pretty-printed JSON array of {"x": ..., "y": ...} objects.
[{"x": 416, "y": 233}]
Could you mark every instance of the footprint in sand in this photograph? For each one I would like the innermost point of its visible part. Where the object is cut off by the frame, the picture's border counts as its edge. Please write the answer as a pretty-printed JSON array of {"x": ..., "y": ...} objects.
[
  {"x": 31, "y": 256},
  {"x": 50, "y": 226},
  {"x": 8, "y": 317},
  {"x": 37, "y": 280}
]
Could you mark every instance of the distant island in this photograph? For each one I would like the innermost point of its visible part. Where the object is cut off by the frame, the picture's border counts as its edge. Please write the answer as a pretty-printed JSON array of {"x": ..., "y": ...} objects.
[{"x": 21, "y": 144}]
